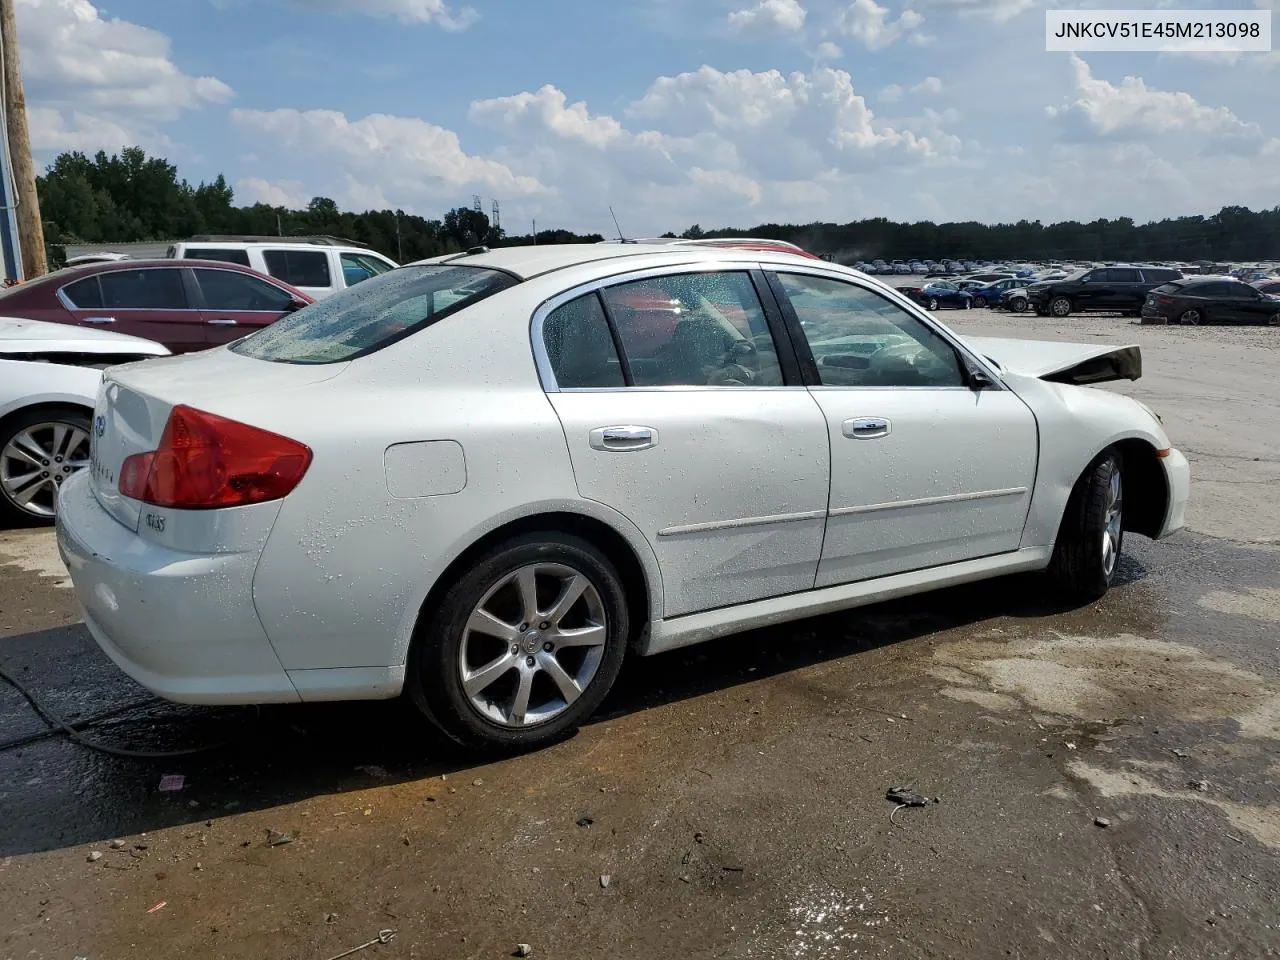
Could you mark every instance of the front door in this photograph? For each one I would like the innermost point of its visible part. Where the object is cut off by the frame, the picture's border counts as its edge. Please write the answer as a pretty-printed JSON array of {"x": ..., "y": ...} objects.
[
  {"x": 234, "y": 304},
  {"x": 678, "y": 415},
  {"x": 924, "y": 470}
]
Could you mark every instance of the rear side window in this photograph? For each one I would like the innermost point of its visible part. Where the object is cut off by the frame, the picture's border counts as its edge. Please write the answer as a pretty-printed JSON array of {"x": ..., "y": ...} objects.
[
  {"x": 361, "y": 320},
  {"x": 154, "y": 289},
  {"x": 580, "y": 347},
  {"x": 229, "y": 290},
  {"x": 299, "y": 268},
  {"x": 223, "y": 255},
  {"x": 85, "y": 294},
  {"x": 1217, "y": 288},
  {"x": 1123, "y": 275},
  {"x": 1162, "y": 275}
]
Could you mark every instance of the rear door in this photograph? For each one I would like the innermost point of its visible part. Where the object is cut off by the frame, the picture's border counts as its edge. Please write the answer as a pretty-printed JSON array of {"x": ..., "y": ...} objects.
[
  {"x": 924, "y": 470},
  {"x": 235, "y": 304},
  {"x": 1127, "y": 289},
  {"x": 678, "y": 414},
  {"x": 148, "y": 302},
  {"x": 307, "y": 270}
]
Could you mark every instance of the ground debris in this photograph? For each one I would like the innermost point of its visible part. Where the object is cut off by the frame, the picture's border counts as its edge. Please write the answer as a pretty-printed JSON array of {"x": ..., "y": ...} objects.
[
  {"x": 1201, "y": 785},
  {"x": 277, "y": 839},
  {"x": 94, "y": 856},
  {"x": 605, "y": 880},
  {"x": 906, "y": 797},
  {"x": 1101, "y": 822},
  {"x": 522, "y": 950},
  {"x": 116, "y": 844},
  {"x": 172, "y": 782},
  {"x": 584, "y": 821}
]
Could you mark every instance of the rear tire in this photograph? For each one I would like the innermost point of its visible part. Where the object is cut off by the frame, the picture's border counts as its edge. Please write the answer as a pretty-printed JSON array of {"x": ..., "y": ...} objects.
[
  {"x": 1091, "y": 536},
  {"x": 505, "y": 690},
  {"x": 979, "y": 302},
  {"x": 1191, "y": 318},
  {"x": 933, "y": 303},
  {"x": 32, "y": 502},
  {"x": 1018, "y": 304}
]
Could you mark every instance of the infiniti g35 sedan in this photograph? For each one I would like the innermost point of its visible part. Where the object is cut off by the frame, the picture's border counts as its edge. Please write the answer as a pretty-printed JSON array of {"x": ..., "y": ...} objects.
[{"x": 485, "y": 479}]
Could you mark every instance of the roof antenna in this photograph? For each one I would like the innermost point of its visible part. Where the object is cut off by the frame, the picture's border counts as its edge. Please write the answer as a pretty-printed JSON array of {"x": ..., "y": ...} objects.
[{"x": 621, "y": 238}]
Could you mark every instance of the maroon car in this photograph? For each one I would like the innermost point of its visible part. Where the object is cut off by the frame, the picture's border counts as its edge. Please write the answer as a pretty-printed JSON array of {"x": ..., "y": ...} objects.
[{"x": 184, "y": 304}]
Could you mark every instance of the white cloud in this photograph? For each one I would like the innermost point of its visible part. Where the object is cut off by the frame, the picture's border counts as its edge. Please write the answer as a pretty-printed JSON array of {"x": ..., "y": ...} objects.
[
  {"x": 929, "y": 86},
  {"x": 436, "y": 12},
  {"x": 828, "y": 51},
  {"x": 787, "y": 15},
  {"x": 281, "y": 193},
  {"x": 1131, "y": 109},
  {"x": 870, "y": 24},
  {"x": 997, "y": 10},
  {"x": 892, "y": 93},
  {"x": 95, "y": 82},
  {"x": 376, "y": 157},
  {"x": 548, "y": 108}
]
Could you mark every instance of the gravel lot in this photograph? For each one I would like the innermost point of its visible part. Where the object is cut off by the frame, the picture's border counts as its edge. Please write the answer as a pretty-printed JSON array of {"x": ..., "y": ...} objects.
[{"x": 1106, "y": 777}]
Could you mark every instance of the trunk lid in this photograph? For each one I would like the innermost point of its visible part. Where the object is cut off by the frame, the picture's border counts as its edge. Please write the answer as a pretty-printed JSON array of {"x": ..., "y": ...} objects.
[
  {"x": 1081, "y": 364},
  {"x": 134, "y": 401}
]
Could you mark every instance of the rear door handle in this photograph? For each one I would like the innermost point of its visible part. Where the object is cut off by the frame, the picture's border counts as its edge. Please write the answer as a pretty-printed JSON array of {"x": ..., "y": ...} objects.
[
  {"x": 99, "y": 320},
  {"x": 623, "y": 439},
  {"x": 866, "y": 428},
  {"x": 222, "y": 322}
]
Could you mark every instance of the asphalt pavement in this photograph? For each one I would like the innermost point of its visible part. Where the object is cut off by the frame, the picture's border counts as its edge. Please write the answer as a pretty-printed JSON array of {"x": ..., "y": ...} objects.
[{"x": 1103, "y": 781}]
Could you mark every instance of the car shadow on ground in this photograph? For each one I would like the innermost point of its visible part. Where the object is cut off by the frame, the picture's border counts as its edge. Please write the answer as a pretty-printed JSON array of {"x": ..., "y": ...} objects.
[{"x": 55, "y": 793}]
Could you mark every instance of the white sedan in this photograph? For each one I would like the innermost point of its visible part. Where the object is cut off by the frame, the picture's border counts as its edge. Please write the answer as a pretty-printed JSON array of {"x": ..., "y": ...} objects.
[
  {"x": 483, "y": 479},
  {"x": 49, "y": 376}
]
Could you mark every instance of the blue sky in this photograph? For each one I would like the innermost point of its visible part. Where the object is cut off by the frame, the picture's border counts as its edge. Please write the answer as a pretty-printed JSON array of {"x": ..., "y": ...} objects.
[{"x": 721, "y": 112}]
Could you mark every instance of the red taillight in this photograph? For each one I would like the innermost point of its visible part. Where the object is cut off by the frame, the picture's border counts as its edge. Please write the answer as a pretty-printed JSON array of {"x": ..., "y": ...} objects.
[
  {"x": 1164, "y": 301},
  {"x": 205, "y": 461}
]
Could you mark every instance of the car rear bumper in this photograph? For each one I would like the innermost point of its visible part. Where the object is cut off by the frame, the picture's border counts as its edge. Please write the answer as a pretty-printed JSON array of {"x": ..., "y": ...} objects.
[
  {"x": 1177, "y": 473},
  {"x": 181, "y": 624}
]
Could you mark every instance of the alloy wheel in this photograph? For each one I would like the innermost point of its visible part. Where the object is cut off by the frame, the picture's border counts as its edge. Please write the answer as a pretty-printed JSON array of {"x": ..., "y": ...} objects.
[
  {"x": 1190, "y": 317},
  {"x": 1112, "y": 525},
  {"x": 1019, "y": 305},
  {"x": 532, "y": 644},
  {"x": 36, "y": 460},
  {"x": 1060, "y": 307}
]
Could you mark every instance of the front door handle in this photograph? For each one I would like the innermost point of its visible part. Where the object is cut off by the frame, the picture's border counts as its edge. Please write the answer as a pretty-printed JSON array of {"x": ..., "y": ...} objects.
[
  {"x": 866, "y": 428},
  {"x": 99, "y": 320},
  {"x": 623, "y": 439},
  {"x": 222, "y": 322}
]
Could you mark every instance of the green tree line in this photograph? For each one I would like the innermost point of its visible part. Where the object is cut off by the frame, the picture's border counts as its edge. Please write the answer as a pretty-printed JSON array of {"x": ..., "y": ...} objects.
[{"x": 131, "y": 196}]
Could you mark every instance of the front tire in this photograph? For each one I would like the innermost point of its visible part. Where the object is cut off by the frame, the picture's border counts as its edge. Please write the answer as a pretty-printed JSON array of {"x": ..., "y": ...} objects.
[
  {"x": 1060, "y": 306},
  {"x": 1018, "y": 304},
  {"x": 39, "y": 449},
  {"x": 1091, "y": 536},
  {"x": 523, "y": 645}
]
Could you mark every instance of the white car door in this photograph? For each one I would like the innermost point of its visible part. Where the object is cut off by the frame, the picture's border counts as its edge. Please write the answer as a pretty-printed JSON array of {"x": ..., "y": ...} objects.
[
  {"x": 925, "y": 470},
  {"x": 678, "y": 414}
]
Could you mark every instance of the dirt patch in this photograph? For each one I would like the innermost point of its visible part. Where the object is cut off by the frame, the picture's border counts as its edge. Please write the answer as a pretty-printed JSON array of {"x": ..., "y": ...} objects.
[
  {"x": 1256, "y": 603},
  {"x": 35, "y": 551},
  {"x": 1089, "y": 678},
  {"x": 1262, "y": 822}
]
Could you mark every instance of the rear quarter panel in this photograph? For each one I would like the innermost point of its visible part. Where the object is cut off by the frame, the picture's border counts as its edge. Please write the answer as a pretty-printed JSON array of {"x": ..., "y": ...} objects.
[{"x": 25, "y": 384}]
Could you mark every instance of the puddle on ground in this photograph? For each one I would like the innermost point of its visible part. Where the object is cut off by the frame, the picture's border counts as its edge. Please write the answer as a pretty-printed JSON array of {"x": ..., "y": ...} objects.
[
  {"x": 1093, "y": 678},
  {"x": 823, "y": 922},
  {"x": 34, "y": 551},
  {"x": 1255, "y": 603}
]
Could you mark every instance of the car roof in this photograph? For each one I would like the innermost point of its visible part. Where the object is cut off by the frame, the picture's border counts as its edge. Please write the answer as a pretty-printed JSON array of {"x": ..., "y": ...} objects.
[{"x": 533, "y": 261}]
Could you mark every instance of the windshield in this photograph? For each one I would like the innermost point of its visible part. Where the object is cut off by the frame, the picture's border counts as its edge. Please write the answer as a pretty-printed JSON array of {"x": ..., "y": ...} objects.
[{"x": 368, "y": 317}]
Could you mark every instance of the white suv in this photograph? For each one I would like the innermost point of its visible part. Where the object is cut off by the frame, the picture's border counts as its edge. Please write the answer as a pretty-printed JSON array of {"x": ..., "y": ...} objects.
[{"x": 318, "y": 266}]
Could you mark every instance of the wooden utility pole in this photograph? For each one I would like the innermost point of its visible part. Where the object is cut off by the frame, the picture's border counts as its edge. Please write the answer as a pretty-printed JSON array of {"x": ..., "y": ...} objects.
[{"x": 30, "y": 230}]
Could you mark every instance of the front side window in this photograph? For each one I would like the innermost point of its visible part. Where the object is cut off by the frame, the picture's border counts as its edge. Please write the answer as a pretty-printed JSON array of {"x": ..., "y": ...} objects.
[
  {"x": 861, "y": 339},
  {"x": 377, "y": 313},
  {"x": 154, "y": 289},
  {"x": 229, "y": 290},
  {"x": 696, "y": 329},
  {"x": 299, "y": 268},
  {"x": 358, "y": 266}
]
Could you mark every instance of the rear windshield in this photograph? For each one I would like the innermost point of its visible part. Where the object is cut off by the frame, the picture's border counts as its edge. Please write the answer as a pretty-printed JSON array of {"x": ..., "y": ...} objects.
[
  {"x": 1167, "y": 288},
  {"x": 377, "y": 312}
]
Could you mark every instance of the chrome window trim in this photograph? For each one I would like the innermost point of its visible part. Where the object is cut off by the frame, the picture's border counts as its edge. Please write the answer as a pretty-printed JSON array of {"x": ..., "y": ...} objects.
[
  {"x": 543, "y": 363},
  {"x": 898, "y": 300},
  {"x": 66, "y": 301}
]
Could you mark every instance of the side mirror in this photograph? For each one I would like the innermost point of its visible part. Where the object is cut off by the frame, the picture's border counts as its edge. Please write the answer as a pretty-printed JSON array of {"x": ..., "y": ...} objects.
[{"x": 978, "y": 379}]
